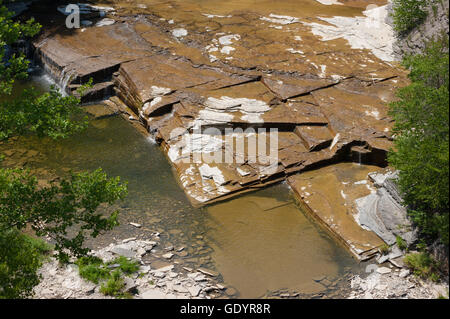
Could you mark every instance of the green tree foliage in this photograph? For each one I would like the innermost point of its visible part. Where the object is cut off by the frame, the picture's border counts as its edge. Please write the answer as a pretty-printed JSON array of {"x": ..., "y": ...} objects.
[
  {"x": 51, "y": 211},
  {"x": 10, "y": 32},
  {"x": 408, "y": 13},
  {"x": 422, "y": 140},
  {"x": 48, "y": 114},
  {"x": 19, "y": 262},
  {"x": 65, "y": 211}
]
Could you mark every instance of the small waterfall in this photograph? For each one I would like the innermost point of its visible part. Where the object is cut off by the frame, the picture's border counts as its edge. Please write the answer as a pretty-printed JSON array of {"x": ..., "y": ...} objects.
[
  {"x": 64, "y": 79},
  {"x": 151, "y": 139},
  {"x": 45, "y": 74}
]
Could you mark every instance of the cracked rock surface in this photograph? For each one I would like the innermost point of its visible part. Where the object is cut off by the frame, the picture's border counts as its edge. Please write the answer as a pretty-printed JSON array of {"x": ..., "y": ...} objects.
[{"x": 177, "y": 68}]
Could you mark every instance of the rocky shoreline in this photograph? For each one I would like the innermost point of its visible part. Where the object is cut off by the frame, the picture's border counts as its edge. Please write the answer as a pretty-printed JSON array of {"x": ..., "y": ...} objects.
[
  {"x": 174, "y": 281},
  {"x": 385, "y": 283},
  {"x": 434, "y": 26},
  {"x": 168, "y": 282}
]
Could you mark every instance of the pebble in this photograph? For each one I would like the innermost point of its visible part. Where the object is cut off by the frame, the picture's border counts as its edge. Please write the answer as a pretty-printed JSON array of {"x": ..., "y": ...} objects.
[
  {"x": 230, "y": 291},
  {"x": 200, "y": 278},
  {"x": 194, "y": 291},
  {"x": 141, "y": 251},
  {"x": 123, "y": 252},
  {"x": 173, "y": 275},
  {"x": 113, "y": 266},
  {"x": 165, "y": 269},
  {"x": 383, "y": 259},
  {"x": 129, "y": 284},
  {"x": 136, "y": 225},
  {"x": 404, "y": 273},
  {"x": 208, "y": 272},
  {"x": 180, "y": 288},
  {"x": 145, "y": 269},
  {"x": 159, "y": 274},
  {"x": 383, "y": 270},
  {"x": 153, "y": 294}
]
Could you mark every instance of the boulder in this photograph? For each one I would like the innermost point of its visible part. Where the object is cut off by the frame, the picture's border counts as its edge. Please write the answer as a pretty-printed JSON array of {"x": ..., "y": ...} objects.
[
  {"x": 130, "y": 284},
  {"x": 404, "y": 273},
  {"x": 128, "y": 253},
  {"x": 382, "y": 213},
  {"x": 153, "y": 294},
  {"x": 383, "y": 270}
]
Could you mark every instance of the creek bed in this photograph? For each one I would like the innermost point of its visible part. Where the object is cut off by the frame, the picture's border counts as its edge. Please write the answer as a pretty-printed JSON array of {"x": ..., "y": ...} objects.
[{"x": 261, "y": 243}]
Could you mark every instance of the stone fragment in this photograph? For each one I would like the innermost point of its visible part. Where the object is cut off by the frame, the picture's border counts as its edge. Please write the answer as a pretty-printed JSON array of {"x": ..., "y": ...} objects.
[
  {"x": 383, "y": 259},
  {"x": 404, "y": 273},
  {"x": 383, "y": 214},
  {"x": 315, "y": 137},
  {"x": 130, "y": 284},
  {"x": 165, "y": 269},
  {"x": 180, "y": 289},
  {"x": 383, "y": 270},
  {"x": 208, "y": 272},
  {"x": 128, "y": 253},
  {"x": 398, "y": 262},
  {"x": 168, "y": 256},
  {"x": 194, "y": 290},
  {"x": 153, "y": 294}
]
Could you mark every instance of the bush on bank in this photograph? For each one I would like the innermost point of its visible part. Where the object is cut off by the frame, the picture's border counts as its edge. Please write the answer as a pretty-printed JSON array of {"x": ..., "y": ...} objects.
[
  {"x": 408, "y": 13},
  {"x": 421, "y": 152}
]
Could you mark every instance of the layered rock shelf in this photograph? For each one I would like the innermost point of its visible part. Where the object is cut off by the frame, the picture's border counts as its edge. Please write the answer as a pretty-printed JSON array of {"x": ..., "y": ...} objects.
[{"x": 197, "y": 80}]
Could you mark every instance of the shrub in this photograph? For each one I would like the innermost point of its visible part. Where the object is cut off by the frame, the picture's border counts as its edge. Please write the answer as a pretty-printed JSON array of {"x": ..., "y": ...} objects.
[
  {"x": 40, "y": 245},
  {"x": 384, "y": 249},
  {"x": 421, "y": 153},
  {"x": 95, "y": 270},
  {"x": 114, "y": 285},
  {"x": 92, "y": 269},
  {"x": 126, "y": 266},
  {"x": 407, "y": 14},
  {"x": 401, "y": 243},
  {"x": 422, "y": 265}
]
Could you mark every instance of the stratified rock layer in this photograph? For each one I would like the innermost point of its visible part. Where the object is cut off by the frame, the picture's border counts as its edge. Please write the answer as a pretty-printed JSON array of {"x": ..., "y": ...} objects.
[
  {"x": 329, "y": 194},
  {"x": 198, "y": 81}
]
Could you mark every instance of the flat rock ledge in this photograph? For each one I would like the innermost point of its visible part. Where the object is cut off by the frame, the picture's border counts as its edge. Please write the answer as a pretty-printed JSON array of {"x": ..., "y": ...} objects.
[
  {"x": 64, "y": 282},
  {"x": 359, "y": 205},
  {"x": 198, "y": 87},
  {"x": 387, "y": 283}
]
